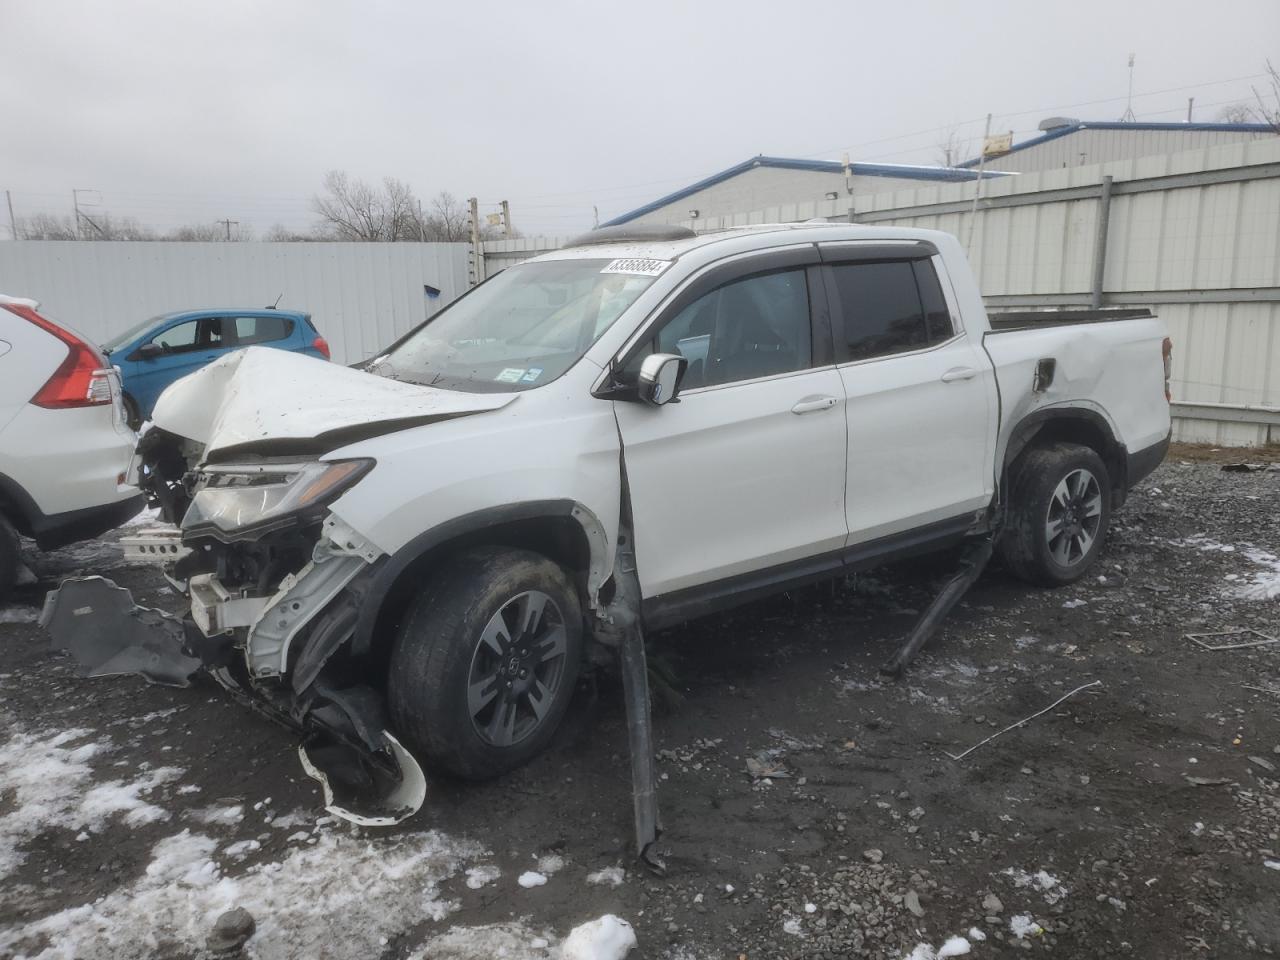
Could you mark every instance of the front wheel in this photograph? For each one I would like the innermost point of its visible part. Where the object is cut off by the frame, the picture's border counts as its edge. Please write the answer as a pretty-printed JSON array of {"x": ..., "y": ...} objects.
[
  {"x": 485, "y": 662},
  {"x": 1059, "y": 511}
]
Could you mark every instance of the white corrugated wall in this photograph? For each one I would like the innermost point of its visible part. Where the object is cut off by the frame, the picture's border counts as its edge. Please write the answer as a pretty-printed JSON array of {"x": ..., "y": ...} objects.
[{"x": 361, "y": 296}]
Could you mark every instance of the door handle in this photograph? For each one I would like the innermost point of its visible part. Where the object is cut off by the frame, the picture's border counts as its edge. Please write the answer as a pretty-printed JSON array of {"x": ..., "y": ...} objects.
[
  {"x": 959, "y": 373},
  {"x": 814, "y": 404}
]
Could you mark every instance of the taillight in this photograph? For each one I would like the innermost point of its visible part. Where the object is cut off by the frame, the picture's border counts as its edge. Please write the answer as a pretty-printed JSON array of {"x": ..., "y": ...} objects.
[
  {"x": 83, "y": 379},
  {"x": 321, "y": 344},
  {"x": 1166, "y": 349}
]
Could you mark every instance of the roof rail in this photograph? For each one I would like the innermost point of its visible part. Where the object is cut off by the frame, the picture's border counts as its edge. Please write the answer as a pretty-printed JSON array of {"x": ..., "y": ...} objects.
[{"x": 632, "y": 233}]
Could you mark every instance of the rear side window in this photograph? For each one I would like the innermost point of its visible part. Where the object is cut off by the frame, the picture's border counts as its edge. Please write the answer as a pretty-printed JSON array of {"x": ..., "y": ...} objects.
[
  {"x": 251, "y": 330},
  {"x": 890, "y": 307}
]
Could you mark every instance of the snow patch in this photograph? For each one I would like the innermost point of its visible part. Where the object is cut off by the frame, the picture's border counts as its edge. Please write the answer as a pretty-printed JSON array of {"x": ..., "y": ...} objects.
[
  {"x": 1266, "y": 583},
  {"x": 19, "y": 615},
  {"x": 504, "y": 941},
  {"x": 49, "y": 779},
  {"x": 1021, "y": 925},
  {"x": 551, "y": 864},
  {"x": 220, "y": 816},
  {"x": 953, "y": 947},
  {"x": 530, "y": 879},
  {"x": 482, "y": 875},
  {"x": 607, "y": 938},
  {"x": 1041, "y": 881},
  {"x": 344, "y": 889},
  {"x": 608, "y": 876}
]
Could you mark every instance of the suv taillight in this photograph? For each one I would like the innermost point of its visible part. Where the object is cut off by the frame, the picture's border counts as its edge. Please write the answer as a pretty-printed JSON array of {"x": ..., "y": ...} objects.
[
  {"x": 83, "y": 379},
  {"x": 1166, "y": 349},
  {"x": 321, "y": 344}
]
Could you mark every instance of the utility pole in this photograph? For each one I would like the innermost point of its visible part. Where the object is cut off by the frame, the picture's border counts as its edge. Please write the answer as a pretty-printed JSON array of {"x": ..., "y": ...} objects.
[
  {"x": 227, "y": 224},
  {"x": 13, "y": 224},
  {"x": 1191, "y": 102},
  {"x": 1127, "y": 116},
  {"x": 75, "y": 204},
  {"x": 506, "y": 220},
  {"x": 977, "y": 190},
  {"x": 477, "y": 254}
]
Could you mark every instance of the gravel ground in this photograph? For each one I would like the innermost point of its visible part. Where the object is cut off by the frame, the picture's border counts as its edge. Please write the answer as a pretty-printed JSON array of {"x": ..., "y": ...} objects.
[{"x": 1138, "y": 818}]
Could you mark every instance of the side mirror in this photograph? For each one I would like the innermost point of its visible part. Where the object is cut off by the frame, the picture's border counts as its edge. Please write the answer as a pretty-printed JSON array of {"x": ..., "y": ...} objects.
[
  {"x": 660, "y": 377},
  {"x": 149, "y": 351}
]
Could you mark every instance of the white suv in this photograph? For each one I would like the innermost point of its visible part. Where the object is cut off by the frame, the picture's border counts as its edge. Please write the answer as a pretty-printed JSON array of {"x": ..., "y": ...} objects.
[{"x": 64, "y": 446}]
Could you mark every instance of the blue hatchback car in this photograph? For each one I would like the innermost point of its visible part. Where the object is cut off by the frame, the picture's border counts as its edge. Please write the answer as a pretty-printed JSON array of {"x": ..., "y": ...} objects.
[{"x": 166, "y": 348}]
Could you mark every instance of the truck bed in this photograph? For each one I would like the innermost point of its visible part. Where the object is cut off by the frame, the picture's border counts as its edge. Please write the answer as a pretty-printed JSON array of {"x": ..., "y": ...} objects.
[{"x": 1034, "y": 319}]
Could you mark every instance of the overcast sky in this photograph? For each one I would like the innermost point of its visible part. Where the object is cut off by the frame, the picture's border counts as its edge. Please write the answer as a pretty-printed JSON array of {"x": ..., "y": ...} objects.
[{"x": 182, "y": 112}]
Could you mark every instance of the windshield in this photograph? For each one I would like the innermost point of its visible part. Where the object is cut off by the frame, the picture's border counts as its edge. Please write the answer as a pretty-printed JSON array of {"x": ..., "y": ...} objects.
[
  {"x": 523, "y": 328},
  {"x": 122, "y": 338}
]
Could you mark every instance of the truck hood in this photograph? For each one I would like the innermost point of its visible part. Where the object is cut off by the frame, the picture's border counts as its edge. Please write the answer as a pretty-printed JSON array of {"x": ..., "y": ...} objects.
[{"x": 268, "y": 401}]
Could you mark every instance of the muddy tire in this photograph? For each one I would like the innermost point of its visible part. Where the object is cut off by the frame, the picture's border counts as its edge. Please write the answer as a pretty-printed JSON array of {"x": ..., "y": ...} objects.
[
  {"x": 485, "y": 661},
  {"x": 132, "y": 416},
  {"x": 1059, "y": 514},
  {"x": 10, "y": 559}
]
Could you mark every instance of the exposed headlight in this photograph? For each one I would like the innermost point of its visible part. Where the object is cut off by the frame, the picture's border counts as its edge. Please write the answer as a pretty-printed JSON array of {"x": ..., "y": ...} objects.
[{"x": 250, "y": 500}]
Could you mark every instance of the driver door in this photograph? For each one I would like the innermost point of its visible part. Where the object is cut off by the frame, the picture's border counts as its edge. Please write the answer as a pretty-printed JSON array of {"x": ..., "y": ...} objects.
[{"x": 741, "y": 481}]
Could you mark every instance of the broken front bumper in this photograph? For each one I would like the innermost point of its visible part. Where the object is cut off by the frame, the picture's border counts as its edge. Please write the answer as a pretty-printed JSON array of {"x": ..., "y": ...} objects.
[{"x": 244, "y": 644}]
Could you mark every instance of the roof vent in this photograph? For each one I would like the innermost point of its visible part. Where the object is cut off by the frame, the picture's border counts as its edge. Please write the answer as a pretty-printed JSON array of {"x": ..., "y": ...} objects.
[
  {"x": 632, "y": 233},
  {"x": 1057, "y": 123}
]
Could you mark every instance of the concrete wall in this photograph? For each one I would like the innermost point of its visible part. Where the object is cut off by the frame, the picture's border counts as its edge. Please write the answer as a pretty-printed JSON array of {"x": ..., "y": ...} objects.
[{"x": 361, "y": 296}]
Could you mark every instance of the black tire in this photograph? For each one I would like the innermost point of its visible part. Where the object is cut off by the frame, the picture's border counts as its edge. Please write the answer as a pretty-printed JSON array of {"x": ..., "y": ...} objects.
[
  {"x": 1061, "y": 487},
  {"x": 10, "y": 559},
  {"x": 442, "y": 668},
  {"x": 132, "y": 416}
]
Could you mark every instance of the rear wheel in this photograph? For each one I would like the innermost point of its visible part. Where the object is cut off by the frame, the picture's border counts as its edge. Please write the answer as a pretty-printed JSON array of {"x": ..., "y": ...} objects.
[
  {"x": 1059, "y": 514},
  {"x": 132, "y": 416},
  {"x": 485, "y": 662}
]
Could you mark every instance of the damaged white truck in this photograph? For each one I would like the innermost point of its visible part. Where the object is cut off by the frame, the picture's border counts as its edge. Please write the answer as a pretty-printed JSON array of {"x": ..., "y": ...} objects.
[{"x": 635, "y": 430}]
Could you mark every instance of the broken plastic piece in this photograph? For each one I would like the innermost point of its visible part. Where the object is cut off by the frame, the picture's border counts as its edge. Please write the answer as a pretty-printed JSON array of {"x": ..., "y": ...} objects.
[
  {"x": 331, "y": 763},
  {"x": 1199, "y": 638},
  {"x": 108, "y": 634},
  {"x": 972, "y": 562}
]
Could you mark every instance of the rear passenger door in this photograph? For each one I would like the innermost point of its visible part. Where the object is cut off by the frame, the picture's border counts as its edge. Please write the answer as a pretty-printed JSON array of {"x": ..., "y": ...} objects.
[
  {"x": 743, "y": 477},
  {"x": 920, "y": 393}
]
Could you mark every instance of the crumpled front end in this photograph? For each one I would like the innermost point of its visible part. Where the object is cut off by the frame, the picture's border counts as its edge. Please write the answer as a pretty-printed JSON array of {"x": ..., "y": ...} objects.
[{"x": 275, "y": 583}]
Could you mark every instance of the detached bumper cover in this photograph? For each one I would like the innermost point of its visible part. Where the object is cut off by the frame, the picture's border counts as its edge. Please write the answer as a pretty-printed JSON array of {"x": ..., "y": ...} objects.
[{"x": 367, "y": 776}]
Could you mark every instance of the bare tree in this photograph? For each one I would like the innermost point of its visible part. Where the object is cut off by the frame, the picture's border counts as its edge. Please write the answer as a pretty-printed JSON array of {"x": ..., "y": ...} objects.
[
  {"x": 1264, "y": 109},
  {"x": 97, "y": 226},
  {"x": 954, "y": 149},
  {"x": 351, "y": 209},
  {"x": 198, "y": 232},
  {"x": 45, "y": 226},
  {"x": 448, "y": 221},
  {"x": 279, "y": 233}
]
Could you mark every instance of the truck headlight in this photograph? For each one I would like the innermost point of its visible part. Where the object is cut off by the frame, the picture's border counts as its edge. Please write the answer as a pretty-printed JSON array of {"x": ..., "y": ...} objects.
[{"x": 249, "y": 500}]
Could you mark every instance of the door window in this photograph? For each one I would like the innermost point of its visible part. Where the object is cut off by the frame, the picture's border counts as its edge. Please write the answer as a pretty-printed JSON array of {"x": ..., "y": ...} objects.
[
  {"x": 205, "y": 334},
  {"x": 251, "y": 330},
  {"x": 892, "y": 307},
  {"x": 755, "y": 327}
]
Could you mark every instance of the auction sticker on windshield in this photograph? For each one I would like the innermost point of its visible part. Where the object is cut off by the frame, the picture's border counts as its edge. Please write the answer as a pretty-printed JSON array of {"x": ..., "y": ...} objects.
[
  {"x": 637, "y": 266},
  {"x": 511, "y": 375}
]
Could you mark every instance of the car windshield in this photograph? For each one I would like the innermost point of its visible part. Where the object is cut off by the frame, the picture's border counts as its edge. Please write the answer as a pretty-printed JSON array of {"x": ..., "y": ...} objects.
[
  {"x": 521, "y": 329},
  {"x": 122, "y": 338}
]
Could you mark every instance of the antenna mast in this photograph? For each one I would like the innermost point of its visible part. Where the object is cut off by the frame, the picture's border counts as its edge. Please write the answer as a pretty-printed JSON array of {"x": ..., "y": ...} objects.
[{"x": 1128, "y": 116}]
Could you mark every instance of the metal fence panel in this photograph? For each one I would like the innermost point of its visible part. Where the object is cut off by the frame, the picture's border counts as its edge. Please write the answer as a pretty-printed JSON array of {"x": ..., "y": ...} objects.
[{"x": 362, "y": 296}]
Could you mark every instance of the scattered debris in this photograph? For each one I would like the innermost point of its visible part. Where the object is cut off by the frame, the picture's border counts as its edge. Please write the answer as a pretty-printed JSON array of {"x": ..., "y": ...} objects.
[
  {"x": 1266, "y": 765},
  {"x": 992, "y": 905},
  {"x": 608, "y": 876},
  {"x": 231, "y": 931},
  {"x": 961, "y": 756},
  {"x": 763, "y": 766},
  {"x": 1199, "y": 638},
  {"x": 912, "y": 902},
  {"x": 1207, "y": 781}
]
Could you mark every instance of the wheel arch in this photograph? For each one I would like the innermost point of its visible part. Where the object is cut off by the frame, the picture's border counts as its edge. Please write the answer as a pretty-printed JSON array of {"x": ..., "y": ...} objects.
[
  {"x": 1071, "y": 425},
  {"x": 562, "y": 530}
]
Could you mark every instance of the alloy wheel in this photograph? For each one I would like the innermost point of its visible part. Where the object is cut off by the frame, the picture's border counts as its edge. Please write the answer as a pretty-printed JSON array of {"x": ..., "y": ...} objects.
[{"x": 1074, "y": 516}]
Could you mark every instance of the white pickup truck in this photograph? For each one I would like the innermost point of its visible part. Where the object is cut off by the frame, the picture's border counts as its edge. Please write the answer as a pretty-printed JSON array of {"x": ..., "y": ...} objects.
[{"x": 639, "y": 428}]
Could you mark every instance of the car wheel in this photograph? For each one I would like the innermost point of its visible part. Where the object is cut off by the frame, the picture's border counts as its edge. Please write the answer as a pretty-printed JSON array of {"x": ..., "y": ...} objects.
[
  {"x": 132, "y": 416},
  {"x": 1059, "y": 511},
  {"x": 485, "y": 661},
  {"x": 10, "y": 559}
]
